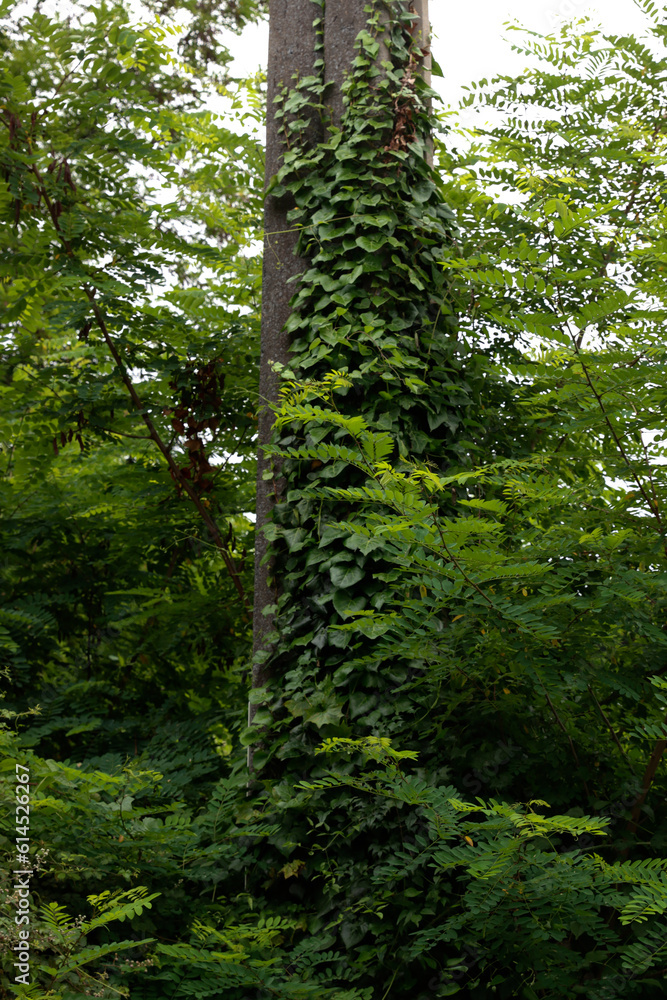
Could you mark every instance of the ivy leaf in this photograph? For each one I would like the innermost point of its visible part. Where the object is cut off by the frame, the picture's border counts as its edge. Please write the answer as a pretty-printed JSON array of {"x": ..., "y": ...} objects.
[
  {"x": 346, "y": 576},
  {"x": 347, "y": 605},
  {"x": 331, "y": 715},
  {"x": 371, "y": 244}
]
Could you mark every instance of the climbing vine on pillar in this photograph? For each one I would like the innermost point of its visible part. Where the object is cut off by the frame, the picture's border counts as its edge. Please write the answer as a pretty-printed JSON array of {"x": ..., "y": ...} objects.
[{"x": 374, "y": 305}]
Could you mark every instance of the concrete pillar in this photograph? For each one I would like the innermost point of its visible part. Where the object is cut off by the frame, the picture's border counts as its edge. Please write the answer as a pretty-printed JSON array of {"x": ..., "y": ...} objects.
[
  {"x": 343, "y": 21},
  {"x": 422, "y": 32},
  {"x": 291, "y": 51}
]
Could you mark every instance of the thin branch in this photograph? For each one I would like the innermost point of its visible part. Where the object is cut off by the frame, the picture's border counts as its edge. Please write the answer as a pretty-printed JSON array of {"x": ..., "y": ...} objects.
[
  {"x": 562, "y": 441},
  {"x": 561, "y": 724},
  {"x": 135, "y": 437},
  {"x": 576, "y": 341},
  {"x": 607, "y": 722},
  {"x": 653, "y": 506},
  {"x": 173, "y": 467},
  {"x": 153, "y": 433},
  {"x": 463, "y": 573},
  {"x": 647, "y": 781}
]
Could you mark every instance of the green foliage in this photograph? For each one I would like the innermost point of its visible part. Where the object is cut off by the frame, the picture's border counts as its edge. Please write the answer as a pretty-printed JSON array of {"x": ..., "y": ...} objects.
[
  {"x": 128, "y": 383},
  {"x": 128, "y": 358},
  {"x": 458, "y": 780},
  {"x": 471, "y": 544}
]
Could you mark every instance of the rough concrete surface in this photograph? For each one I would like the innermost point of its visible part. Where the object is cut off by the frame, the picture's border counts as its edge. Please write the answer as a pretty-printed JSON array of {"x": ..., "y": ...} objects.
[{"x": 291, "y": 50}]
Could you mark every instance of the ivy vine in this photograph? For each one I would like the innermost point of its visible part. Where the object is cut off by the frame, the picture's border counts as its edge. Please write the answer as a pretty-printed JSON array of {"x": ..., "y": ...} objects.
[
  {"x": 374, "y": 305},
  {"x": 374, "y": 331}
]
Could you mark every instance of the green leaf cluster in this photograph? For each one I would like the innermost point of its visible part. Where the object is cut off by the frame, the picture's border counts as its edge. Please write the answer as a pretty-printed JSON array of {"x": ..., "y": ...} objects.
[
  {"x": 458, "y": 775},
  {"x": 471, "y": 540}
]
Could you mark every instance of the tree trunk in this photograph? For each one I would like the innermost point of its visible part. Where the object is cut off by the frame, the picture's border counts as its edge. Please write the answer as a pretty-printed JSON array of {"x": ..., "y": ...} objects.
[{"x": 292, "y": 41}]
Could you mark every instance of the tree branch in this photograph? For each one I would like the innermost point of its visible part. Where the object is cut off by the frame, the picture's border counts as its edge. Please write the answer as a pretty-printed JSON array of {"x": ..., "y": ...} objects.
[
  {"x": 153, "y": 433},
  {"x": 561, "y": 724},
  {"x": 607, "y": 722},
  {"x": 647, "y": 781}
]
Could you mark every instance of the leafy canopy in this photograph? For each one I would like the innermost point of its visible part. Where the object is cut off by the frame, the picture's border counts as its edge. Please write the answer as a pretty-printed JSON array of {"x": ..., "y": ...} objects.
[{"x": 459, "y": 778}]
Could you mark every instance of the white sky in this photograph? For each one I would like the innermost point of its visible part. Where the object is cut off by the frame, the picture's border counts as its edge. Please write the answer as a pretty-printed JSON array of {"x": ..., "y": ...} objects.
[{"x": 468, "y": 40}]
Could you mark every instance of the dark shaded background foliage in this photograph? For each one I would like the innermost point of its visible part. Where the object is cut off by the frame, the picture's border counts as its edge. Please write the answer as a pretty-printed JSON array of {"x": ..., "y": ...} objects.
[{"x": 470, "y": 547}]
